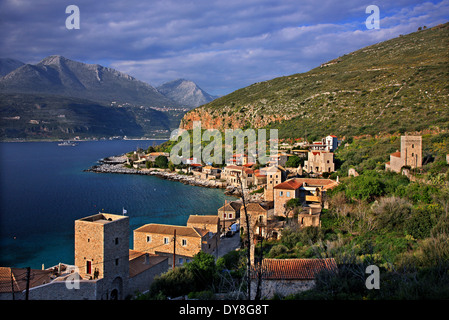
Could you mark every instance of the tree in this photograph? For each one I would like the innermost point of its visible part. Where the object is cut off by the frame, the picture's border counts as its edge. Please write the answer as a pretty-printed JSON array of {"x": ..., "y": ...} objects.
[
  {"x": 293, "y": 162},
  {"x": 161, "y": 162},
  {"x": 367, "y": 187},
  {"x": 203, "y": 270}
]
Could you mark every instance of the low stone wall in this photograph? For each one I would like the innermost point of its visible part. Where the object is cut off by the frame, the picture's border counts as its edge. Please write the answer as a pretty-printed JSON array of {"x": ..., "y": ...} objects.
[{"x": 281, "y": 287}]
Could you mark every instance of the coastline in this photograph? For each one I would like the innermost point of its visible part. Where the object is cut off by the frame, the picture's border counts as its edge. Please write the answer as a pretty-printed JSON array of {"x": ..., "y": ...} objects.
[{"x": 115, "y": 164}]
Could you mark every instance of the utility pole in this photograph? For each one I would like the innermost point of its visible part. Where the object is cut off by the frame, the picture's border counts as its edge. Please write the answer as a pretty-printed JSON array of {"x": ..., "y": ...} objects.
[
  {"x": 12, "y": 285},
  {"x": 174, "y": 249},
  {"x": 224, "y": 218},
  {"x": 28, "y": 283},
  {"x": 248, "y": 254}
]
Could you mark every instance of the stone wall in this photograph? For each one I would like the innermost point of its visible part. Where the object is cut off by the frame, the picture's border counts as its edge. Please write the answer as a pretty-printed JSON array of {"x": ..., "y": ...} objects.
[{"x": 281, "y": 287}]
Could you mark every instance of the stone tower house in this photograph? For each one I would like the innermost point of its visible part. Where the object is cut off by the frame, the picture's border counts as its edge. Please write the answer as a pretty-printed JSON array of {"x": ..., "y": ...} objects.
[
  {"x": 410, "y": 154},
  {"x": 411, "y": 149},
  {"x": 102, "y": 251}
]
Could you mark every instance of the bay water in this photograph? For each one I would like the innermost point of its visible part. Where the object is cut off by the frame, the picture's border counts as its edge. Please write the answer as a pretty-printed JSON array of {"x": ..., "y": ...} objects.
[{"x": 43, "y": 190}]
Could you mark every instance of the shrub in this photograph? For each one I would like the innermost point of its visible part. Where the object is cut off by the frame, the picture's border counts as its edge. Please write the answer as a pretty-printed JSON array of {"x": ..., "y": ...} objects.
[
  {"x": 391, "y": 213},
  {"x": 277, "y": 250},
  {"x": 420, "y": 224},
  {"x": 173, "y": 283}
]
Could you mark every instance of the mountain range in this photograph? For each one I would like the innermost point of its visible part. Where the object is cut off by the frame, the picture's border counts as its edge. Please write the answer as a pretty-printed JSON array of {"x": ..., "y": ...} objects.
[
  {"x": 399, "y": 85},
  {"x": 60, "y": 84}
]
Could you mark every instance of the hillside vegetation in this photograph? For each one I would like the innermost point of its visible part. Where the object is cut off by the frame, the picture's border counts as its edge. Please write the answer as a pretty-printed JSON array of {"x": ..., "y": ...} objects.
[{"x": 394, "y": 86}]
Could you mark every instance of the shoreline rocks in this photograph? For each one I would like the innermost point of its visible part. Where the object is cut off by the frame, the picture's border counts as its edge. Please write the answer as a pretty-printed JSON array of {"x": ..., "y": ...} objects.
[
  {"x": 115, "y": 164},
  {"x": 111, "y": 166}
]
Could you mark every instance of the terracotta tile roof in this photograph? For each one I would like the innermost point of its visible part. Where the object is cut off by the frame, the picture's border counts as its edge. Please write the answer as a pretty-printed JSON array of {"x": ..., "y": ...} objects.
[
  {"x": 291, "y": 184},
  {"x": 295, "y": 269},
  {"x": 210, "y": 219},
  {"x": 231, "y": 206},
  {"x": 138, "y": 262},
  {"x": 255, "y": 206},
  {"x": 37, "y": 278},
  {"x": 296, "y": 183},
  {"x": 396, "y": 154},
  {"x": 169, "y": 230}
]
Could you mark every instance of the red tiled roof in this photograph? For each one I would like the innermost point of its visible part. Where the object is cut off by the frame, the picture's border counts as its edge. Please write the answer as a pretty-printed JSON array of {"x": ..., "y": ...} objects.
[
  {"x": 137, "y": 261},
  {"x": 255, "y": 206},
  {"x": 295, "y": 269},
  {"x": 289, "y": 184},
  {"x": 206, "y": 219},
  {"x": 37, "y": 278},
  {"x": 396, "y": 154},
  {"x": 169, "y": 230}
]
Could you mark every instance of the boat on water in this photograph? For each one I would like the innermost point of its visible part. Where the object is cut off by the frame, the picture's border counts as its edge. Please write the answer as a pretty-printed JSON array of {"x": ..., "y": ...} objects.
[{"x": 67, "y": 144}]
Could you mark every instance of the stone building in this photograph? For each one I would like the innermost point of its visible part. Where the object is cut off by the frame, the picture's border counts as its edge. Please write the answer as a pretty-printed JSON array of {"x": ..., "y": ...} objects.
[
  {"x": 102, "y": 250},
  {"x": 409, "y": 156},
  {"x": 319, "y": 162},
  {"x": 170, "y": 241},
  {"x": 289, "y": 276},
  {"x": 275, "y": 175},
  {"x": 105, "y": 268},
  {"x": 209, "y": 222},
  {"x": 229, "y": 214},
  {"x": 283, "y": 192},
  {"x": 259, "y": 214},
  {"x": 231, "y": 175},
  {"x": 307, "y": 190}
]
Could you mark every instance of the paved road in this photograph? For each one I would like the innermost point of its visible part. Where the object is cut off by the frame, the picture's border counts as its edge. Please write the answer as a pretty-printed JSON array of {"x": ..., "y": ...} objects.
[{"x": 228, "y": 244}]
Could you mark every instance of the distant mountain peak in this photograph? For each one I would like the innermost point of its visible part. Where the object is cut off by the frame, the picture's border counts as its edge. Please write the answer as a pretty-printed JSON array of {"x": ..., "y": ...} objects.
[
  {"x": 58, "y": 75},
  {"x": 185, "y": 92}
]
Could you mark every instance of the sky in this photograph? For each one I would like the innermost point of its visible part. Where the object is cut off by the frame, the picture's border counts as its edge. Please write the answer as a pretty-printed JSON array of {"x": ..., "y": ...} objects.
[{"x": 222, "y": 45}]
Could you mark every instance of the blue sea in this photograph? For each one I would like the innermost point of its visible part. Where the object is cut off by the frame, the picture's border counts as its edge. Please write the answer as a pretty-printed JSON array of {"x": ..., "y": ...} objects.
[{"x": 43, "y": 190}]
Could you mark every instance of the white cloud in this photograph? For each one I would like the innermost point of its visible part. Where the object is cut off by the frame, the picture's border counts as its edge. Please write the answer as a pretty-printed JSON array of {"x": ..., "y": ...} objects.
[{"x": 222, "y": 45}]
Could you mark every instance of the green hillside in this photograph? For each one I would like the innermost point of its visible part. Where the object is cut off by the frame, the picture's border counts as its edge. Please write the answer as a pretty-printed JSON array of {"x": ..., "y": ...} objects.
[
  {"x": 36, "y": 117},
  {"x": 394, "y": 86}
]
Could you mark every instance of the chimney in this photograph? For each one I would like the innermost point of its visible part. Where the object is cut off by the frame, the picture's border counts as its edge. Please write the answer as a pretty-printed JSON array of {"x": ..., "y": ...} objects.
[{"x": 147, "y": 258}]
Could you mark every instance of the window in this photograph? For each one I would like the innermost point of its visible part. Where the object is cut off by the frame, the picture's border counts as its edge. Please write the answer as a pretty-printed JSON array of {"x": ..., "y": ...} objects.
[
  {"x": 288, "y": 193},
  {"x": 166, "y": 240},
  {"x": 184, "y": 242},
  {"x": 230, "y": 216},
  {"x": 116, "y": 262},
  {"x": 116, "y": 241},
  {"x": 181, "y": 260},
  {"x": 281, "y": 193},
  {"x": 148, "y": 238}
]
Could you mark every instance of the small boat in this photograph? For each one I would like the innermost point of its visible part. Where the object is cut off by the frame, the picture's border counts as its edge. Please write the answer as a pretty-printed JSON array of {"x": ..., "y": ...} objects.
[{"x": 67, "y": 144}]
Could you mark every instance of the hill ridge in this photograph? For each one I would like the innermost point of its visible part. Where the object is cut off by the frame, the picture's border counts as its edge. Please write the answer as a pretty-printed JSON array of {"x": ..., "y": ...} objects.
[{"x": 369, "y": 90}]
